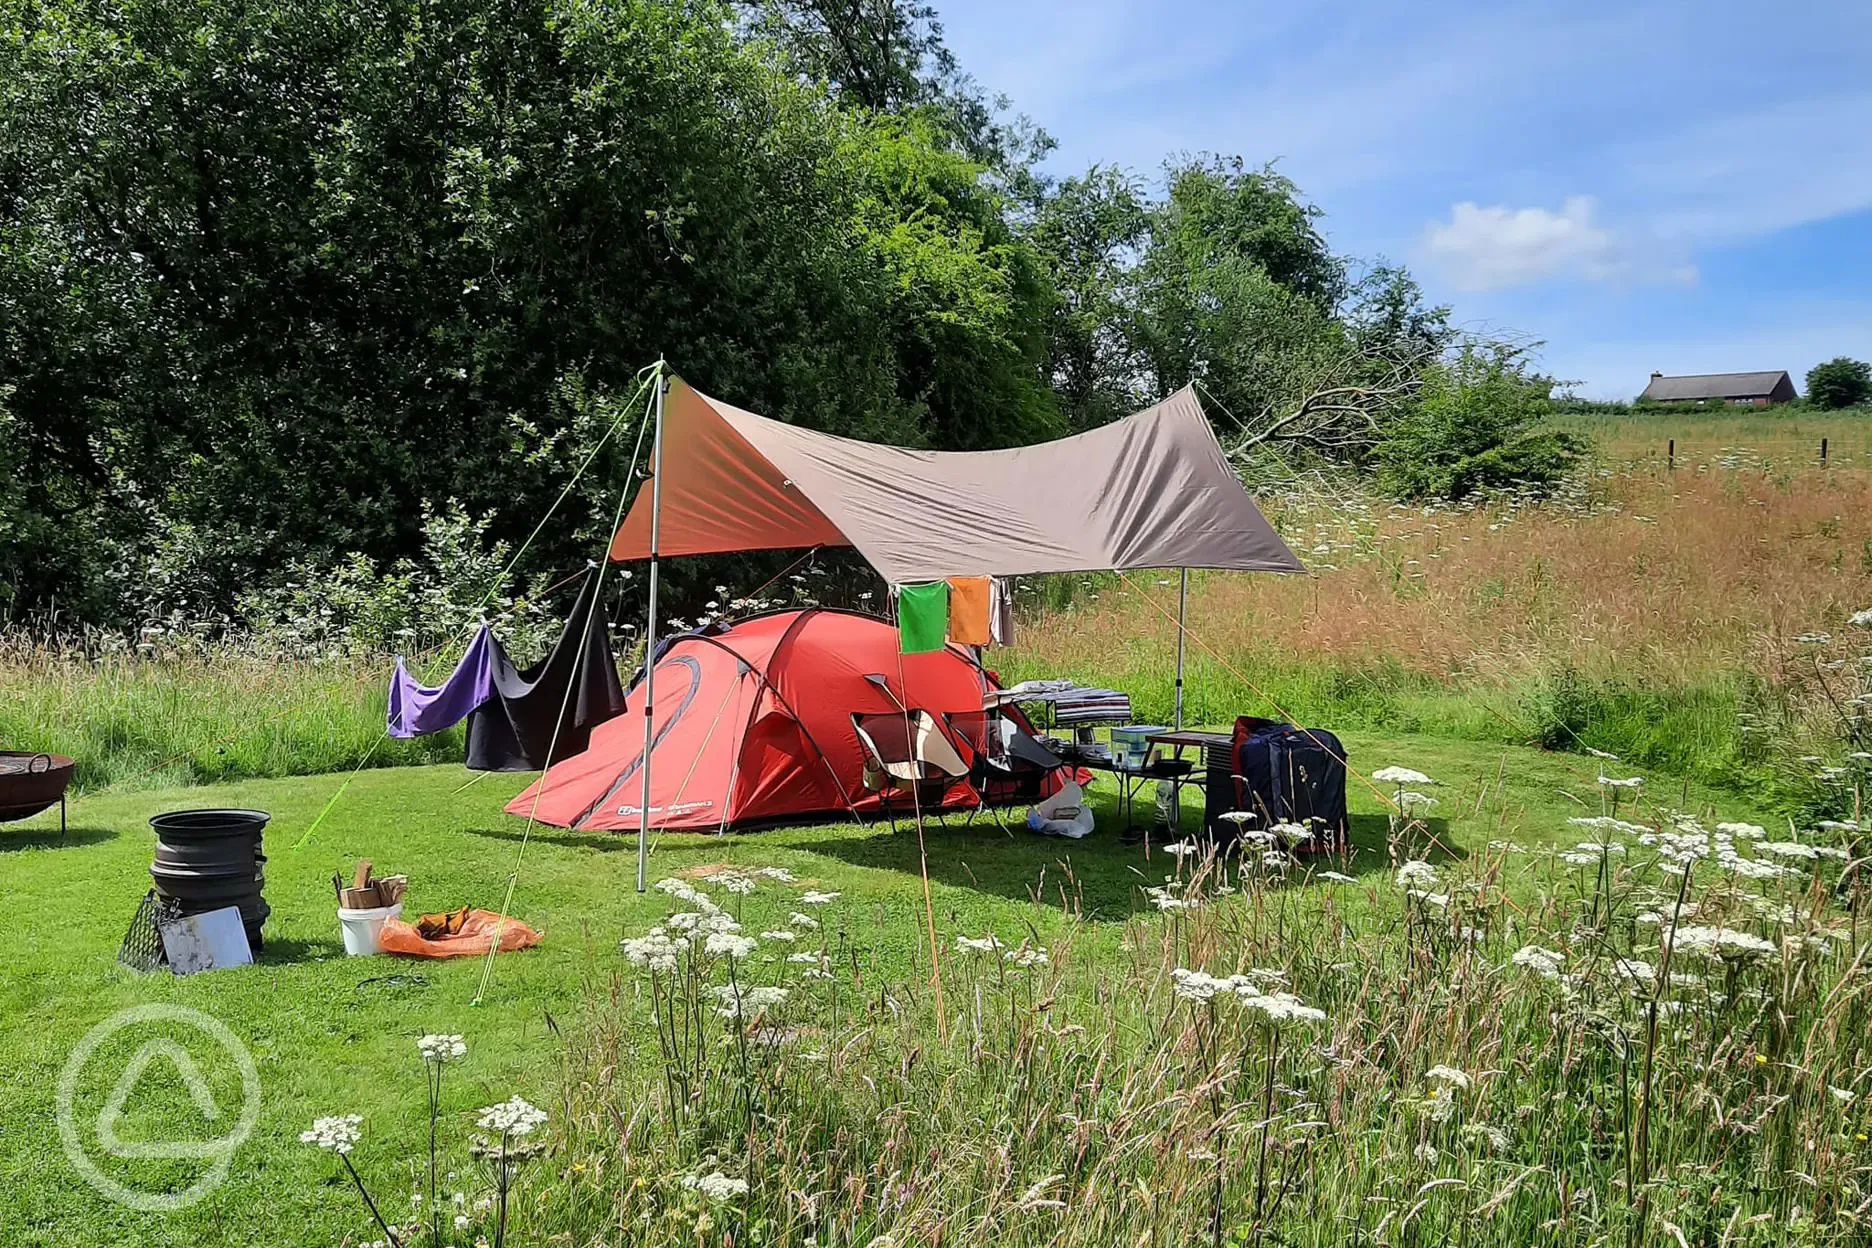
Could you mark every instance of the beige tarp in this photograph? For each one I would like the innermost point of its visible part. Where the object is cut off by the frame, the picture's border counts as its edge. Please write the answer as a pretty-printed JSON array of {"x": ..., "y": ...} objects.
[{"x": 1150, "y": 491}]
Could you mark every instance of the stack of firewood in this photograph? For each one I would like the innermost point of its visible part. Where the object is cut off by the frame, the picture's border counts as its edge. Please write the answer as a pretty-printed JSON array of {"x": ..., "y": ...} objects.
[{"x": 368, "y": 892}]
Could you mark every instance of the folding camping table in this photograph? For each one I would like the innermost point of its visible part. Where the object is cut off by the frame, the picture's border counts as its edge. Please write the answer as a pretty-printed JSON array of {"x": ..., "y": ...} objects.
[{"x": 1201, "y": 776}]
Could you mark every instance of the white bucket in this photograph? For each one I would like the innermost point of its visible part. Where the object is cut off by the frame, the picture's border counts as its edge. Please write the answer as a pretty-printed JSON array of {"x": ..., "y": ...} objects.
[{"x": 363, "y": 929}]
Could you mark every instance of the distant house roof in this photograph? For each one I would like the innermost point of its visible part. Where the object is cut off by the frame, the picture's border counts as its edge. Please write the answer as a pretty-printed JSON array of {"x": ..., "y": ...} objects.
[{"x": 1719, "y": 386}]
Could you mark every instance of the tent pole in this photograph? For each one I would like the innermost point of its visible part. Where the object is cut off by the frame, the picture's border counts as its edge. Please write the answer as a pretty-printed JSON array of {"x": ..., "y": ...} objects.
[
  {"x": 650, "y": 635},
  {"x": 1182, "y": 614}
]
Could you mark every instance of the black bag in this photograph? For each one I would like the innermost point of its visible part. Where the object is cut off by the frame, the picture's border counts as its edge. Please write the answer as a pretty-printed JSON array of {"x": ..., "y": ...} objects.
[{"x": 1285, "y": 774}]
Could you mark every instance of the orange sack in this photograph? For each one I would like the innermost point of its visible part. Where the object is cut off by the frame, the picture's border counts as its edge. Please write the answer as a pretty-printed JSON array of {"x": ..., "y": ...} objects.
[{"x": 476, "y": 937}]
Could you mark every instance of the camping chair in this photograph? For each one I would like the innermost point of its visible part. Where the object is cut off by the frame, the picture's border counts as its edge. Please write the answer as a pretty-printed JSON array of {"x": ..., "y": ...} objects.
[
  {"x": 907, "y": 753},
  {"x": 1010, "y": 766}
]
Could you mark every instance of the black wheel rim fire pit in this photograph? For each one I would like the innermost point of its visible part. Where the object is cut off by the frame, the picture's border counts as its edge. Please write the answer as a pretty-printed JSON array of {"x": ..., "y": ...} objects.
[{"x": 210, "y": 859}]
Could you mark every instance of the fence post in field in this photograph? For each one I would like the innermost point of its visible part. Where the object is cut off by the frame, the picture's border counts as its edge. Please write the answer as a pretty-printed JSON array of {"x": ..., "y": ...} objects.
[
  {"x": 1823, "y": 443},
  {"x": 1670, "y": 456}
]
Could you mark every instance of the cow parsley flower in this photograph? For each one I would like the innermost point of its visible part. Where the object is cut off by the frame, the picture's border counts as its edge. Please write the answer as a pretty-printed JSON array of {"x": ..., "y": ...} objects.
[
  {"x": 780, "y": 934},
  {"x": 716, "y": 1186},
  {"x": 805, "y": 922},
  {"x": 1237, "y": 817},
  {"x": 655, "y": 950},
  {"x": 1200, "y": 985},
  {"x": 1179, "y": 849},
  {"x": 439, "y": 1049},
  {"x": 1026, "y": 956},
  {"x": 1450, "y": 1075},
  {"x": 728, "y": 944},
  {"x": 1400, "y": 776},
  {"x": 1336, "y": 877},
  {"x": 1418, "y": 873},
  {"x": 977, "y": 944},
  {"x": 339, "y": 1134},
  {"x": 1543, "y": 962},
  {"x": 1493, "y": 1138},
  {"x": 1717, "y": 942},
  {"x": 1630, "y": 782},
  {"x": 742, "y": 1000},
  {"x": 1861, "y": 619},
  {"x": 513, "y": 1119},
  {"x": 1282, "y": 1007},
  {"x": 818, "y": 899},
  {"x": 1606, "y": 823},
  {"x": 1841, "y": 1095},
  {"x": 1787, "y": 849},
  {"x": 1747, "y": 831},
  {"x": 1412, "y": 801}
]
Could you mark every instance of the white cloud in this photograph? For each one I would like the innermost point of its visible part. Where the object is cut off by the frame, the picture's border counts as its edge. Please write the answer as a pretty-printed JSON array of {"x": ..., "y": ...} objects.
[{"x": 1489, "y": 248}]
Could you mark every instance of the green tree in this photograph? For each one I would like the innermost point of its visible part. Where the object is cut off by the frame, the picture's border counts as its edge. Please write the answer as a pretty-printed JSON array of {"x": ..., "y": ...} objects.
[
  {"x": 272, "y": 277},
  {"x": 1087, "y": 231},
  {"x": 1476, "y": 427},
  {"x": 1840, "y": 382}
]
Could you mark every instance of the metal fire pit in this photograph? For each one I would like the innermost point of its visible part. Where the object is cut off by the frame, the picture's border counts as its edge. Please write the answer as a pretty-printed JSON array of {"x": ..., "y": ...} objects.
[
  {"x": 30, "y": 783},
  {"x": 208, "y": 859}
]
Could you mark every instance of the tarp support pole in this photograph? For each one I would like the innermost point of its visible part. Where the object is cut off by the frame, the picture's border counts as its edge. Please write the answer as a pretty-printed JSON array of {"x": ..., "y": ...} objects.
[
  {"x": 650, "y": 635},
  {"x": 1182, "y": 615}
]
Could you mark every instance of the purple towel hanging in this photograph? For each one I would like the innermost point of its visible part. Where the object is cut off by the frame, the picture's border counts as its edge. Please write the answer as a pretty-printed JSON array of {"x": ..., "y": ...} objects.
[{"x": 416, "y": 711}]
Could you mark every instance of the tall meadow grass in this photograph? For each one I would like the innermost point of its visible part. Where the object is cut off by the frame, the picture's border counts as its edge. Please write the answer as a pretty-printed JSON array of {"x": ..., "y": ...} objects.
[{"x": 1663, "y": 1035}]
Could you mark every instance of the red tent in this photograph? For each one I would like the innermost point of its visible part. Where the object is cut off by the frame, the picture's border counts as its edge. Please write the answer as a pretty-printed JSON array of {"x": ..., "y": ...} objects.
[{"x": 754, "y": 725}]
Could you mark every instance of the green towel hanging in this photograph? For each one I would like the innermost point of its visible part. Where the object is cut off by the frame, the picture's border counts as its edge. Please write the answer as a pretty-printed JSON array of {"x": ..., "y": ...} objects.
[{"x": 922, "y": 617}]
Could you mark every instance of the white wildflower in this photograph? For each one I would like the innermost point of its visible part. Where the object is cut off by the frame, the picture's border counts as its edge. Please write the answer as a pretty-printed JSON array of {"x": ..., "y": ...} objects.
[
  {"x": 1493, "y": 1138},
  {"x": 1786, "y": 849},
  {"x": 1630, "y": 782},
  {"x": 1449, "y": 1075},
  {"x": 805, "y": 958},
  {"x": 716, "y": 1186},
  {"x": 1400, "y": 776},
  {"x": 728, "y": 944},
  {"x": 1412, "y": 801},
  {"x": 1606, "y": 823},
  {"x": 1861, "y": 619},
  {"x": 818, "y": 899},
  {"x": 514, "y": 1118},
  {"x": 741, "y": 1000},
  {"x": 339, "y": 1133},
  {"x": 780, "y": 934},
  {"x": 439, "y": 1049},
  {"x": 655, "y": 951},
  {"x": 1026, "y": 956},
  {"x": 1841, "y": 1095},
  {"x": 1237, "y": 817},
  {"x": 973, "y": 944},
  {"x": 1198, "y": 985},
  {"x": 1417, "y": 872},
  {"x": 1543, "y": 962},
  {"x": 1747, "y": 831},
  {"x": 1180, "y": 849},
  {"x": 1336, "y": 877},
  {"x": 1281, "y": 1007},
  {"x": 805, "y": 922},
  {"x": 1717, "y": 942}
]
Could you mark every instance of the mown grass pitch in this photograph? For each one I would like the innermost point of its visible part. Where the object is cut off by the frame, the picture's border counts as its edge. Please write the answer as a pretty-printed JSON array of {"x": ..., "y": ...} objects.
[{"x": 334, "y": 1035}]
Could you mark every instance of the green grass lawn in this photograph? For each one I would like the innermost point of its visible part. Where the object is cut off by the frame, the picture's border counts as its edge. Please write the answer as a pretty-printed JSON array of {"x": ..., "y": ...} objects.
[{"x": 332, "y": 1035}]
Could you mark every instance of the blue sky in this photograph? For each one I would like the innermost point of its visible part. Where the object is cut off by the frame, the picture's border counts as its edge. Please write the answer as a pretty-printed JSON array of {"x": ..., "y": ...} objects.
[{"x": 1686, "y": 187}]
